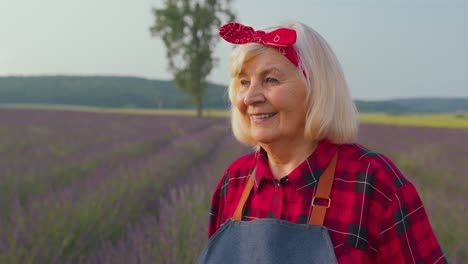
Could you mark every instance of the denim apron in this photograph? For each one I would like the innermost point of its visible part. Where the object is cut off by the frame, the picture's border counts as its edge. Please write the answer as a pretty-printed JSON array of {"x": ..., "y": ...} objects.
[{"x": 274, "y": 241}]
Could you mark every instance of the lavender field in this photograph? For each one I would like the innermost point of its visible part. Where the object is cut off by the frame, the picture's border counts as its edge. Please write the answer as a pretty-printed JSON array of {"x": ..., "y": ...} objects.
[{"x": 79, "y": 187}]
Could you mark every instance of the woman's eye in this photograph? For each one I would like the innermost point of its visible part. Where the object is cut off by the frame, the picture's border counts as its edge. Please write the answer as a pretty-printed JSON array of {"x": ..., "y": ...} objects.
[
  {"x": 271, "y": 80},
  {"x": 244, "y": 83}
]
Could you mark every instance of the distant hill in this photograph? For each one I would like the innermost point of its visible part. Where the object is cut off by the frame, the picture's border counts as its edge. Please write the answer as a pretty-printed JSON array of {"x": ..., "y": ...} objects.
[
  {"x": 115, "y": 91},
  {"x": 101, "y": 91}
]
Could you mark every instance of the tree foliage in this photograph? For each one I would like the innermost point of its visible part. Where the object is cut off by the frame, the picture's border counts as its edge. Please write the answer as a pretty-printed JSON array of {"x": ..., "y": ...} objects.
[{"x": 189, "y": 29}]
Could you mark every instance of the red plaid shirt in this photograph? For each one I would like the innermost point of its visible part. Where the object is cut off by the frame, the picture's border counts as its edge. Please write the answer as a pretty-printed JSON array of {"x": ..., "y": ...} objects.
[{"x": 376, "y": 215}]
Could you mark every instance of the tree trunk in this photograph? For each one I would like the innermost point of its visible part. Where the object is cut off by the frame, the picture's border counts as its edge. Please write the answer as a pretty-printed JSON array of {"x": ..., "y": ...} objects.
[{"x": 199, "y": 107}]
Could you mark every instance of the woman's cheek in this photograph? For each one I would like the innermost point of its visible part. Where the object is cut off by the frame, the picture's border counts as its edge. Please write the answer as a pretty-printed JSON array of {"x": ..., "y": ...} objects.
[{"x": 240, "y": 101}]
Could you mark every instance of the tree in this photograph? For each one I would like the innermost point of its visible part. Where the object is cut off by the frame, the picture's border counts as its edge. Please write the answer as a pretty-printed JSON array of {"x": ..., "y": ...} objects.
[{"x": 189, "y": 30}]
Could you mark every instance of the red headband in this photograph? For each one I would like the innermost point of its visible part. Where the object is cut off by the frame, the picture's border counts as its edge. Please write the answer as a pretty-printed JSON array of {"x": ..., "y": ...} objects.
[{"x": 281, "y": 39}]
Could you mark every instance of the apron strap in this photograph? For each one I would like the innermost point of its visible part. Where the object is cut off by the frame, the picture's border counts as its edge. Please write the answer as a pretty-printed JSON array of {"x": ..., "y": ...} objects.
[
  {"x": 247, "y": 189},
  {"x": 323, "y": 192}
]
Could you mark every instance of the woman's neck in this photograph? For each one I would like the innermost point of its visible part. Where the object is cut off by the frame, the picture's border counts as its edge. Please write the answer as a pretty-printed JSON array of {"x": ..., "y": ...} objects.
[{"x": 284, "y": 158}]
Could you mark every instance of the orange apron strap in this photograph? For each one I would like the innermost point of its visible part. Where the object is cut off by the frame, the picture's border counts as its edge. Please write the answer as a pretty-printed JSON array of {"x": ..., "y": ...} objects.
[
  {"x": 323, "y": 192},
  {"x": 240, "y": 206}
]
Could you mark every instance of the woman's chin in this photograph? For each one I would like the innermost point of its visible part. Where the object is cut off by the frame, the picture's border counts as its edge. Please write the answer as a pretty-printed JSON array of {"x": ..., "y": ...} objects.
[{"x": 263, "y": 138}]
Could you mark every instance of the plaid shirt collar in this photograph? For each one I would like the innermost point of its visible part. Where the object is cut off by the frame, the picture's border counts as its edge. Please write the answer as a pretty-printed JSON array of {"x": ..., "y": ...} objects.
[{"x": 303, "y": 177}]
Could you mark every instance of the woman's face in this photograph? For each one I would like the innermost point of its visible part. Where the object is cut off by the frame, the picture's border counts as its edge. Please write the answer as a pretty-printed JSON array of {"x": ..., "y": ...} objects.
[{"x": 272, "y": 98}]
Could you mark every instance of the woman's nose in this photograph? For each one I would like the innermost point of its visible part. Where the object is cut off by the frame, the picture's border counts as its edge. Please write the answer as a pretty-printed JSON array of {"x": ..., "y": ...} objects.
[{"x": 254, "y": 95}]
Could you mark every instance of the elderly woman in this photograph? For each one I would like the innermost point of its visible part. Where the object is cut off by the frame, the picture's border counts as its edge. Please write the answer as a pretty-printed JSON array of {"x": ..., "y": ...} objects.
[{"x": 309, "y": 193}]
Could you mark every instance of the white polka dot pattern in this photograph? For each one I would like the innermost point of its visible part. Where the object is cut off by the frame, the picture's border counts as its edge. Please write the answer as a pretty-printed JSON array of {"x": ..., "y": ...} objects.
[{"x": 282, "y": 39}]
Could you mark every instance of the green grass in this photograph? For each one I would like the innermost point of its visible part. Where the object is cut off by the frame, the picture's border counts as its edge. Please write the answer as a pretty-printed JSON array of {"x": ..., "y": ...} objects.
[
  {"x": 430, "y": 120},
  {"x": 185, "y": 112}
]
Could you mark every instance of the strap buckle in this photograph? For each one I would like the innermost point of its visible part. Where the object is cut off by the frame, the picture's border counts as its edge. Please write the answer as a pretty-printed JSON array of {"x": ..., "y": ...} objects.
[{"x": 313, "y": 202}]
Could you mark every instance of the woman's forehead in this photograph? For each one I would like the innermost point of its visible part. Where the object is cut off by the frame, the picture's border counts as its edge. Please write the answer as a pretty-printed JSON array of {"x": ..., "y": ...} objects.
[{"x": 268, "y": 61}]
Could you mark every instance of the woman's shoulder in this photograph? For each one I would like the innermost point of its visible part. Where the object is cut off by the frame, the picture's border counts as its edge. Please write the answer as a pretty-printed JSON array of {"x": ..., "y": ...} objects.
[
  {"x": 238, "y": 170},
  {"x": 360, "y": 153},
  {"x": 372, "y": 164}
]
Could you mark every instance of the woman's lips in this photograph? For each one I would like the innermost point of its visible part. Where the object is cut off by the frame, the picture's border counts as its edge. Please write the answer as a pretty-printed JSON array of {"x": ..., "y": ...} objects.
[{"x": 259, "y": 118}]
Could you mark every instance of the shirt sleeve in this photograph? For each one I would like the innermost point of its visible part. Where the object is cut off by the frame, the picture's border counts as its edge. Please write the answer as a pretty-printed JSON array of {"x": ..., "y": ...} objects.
[
  {"x": 406, "y": 235},
  {"x": 217, "y": 204}
]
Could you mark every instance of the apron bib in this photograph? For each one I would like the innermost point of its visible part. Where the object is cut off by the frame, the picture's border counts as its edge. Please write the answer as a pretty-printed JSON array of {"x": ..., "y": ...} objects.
[{"x": 274, "y": 241}]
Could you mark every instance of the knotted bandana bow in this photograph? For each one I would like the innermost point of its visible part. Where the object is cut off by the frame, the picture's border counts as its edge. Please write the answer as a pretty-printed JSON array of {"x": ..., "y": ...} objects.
[{"x": 281, "y": 39}]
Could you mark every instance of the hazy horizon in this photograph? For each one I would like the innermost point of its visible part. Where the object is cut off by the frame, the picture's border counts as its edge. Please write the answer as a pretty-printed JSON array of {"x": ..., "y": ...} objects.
[{"x": 402, "y": 49}]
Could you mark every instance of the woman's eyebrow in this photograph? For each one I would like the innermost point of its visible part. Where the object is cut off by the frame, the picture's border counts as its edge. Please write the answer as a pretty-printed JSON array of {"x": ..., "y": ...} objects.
[
  {"x": 262, "y": 73},
  {"x": 270, "y": 70}
]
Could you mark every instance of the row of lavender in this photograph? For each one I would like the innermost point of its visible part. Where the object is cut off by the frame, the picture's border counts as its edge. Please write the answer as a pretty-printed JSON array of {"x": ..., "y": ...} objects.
[
  {"x": 52, "y": 215},
  {"x": 146, "y": 196},
  {"x": 42, "y": 151}
]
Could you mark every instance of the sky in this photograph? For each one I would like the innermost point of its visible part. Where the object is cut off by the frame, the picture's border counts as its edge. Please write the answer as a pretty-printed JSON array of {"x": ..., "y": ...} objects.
[{"x": 388, "y": 48}]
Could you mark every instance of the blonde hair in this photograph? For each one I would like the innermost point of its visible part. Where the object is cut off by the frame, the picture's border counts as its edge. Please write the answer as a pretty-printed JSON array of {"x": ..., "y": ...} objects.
[{"x": 331, "y": 112}]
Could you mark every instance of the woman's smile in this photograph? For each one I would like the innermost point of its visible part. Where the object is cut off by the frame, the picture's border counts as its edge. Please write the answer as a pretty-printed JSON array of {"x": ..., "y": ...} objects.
[{"x": 263, "y": 117}]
